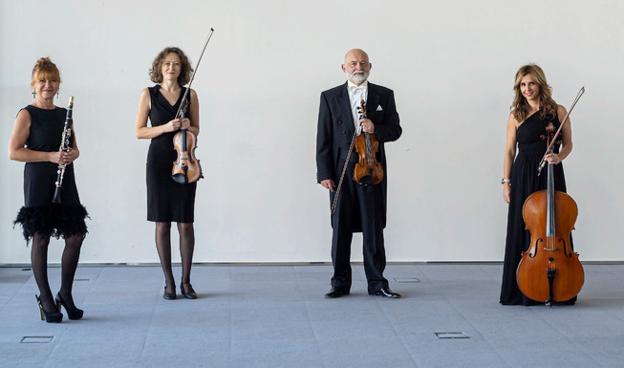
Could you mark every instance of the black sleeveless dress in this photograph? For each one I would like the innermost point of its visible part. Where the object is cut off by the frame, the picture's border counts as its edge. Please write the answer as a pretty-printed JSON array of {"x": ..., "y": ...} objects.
[
  {"x": 531, "y": 139},
  {"x": 39, "y": 214},
  {"x": 167, "y": 201}
]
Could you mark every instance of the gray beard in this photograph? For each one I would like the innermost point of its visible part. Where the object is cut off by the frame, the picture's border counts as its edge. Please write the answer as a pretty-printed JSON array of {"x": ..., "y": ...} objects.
[{"x": 356, "y": 78}]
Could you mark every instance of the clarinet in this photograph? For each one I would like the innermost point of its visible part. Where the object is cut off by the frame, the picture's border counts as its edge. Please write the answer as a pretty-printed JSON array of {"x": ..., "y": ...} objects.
[{"x": 65, "y": 146}]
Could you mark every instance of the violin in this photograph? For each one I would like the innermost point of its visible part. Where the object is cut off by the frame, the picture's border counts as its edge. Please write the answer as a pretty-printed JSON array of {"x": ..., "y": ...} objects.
[
  {"x": 367, "y": 146},
  {"x": 186, "y": 168},
  {"x": 550, "y": 271}
]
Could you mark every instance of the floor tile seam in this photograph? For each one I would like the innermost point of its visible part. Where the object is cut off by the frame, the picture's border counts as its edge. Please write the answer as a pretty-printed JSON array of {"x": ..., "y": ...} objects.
[
  {"x": 485, "y": 269},
  {"x": 572, "y": 343},
  {"x": 396, "y": 332},
  {"x": 229, "y": 303},
  {"x": 308, "y": 318},
  {"x": 316, "y": 337},
  {"x": 19, "y": 290},
  {"x": 483, "y": 336},
  {"x": 49, "y": 354},
  {"x": 91, "y": 283},
  {"x": 409, "y": 352},
  {"x": 147, "y": 332},
  {"x": 421, "y": 269}
]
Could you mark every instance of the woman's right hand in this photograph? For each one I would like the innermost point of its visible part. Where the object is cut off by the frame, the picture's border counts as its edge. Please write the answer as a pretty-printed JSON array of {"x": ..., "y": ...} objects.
[
  {"x": 507, "y": 192},
  {"x": 54, "y": 157},
  {"x": 172, "y": 125}
]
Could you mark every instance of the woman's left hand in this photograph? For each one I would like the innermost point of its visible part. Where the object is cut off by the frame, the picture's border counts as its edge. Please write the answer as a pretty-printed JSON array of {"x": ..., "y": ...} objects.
[
  {"x": 185, "y": 123},
  {"x": 552, "y": 158},
  {"x": 67, "y": 157}
]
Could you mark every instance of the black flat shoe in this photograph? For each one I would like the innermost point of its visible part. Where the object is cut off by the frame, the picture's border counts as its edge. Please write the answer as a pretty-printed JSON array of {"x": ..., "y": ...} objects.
[
  {"x": 72, "y": 311},
  {"x": 336, "y": 293},
  {"x": 385, "y": 292},
  {"x": 189, "y": 293},
  {"x": 169, "y": 296},
  {"x": 51, "y": 317}
]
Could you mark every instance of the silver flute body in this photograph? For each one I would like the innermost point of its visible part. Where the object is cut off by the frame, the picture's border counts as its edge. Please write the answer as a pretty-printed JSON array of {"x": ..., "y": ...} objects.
[{"x": 65, "y": 146}]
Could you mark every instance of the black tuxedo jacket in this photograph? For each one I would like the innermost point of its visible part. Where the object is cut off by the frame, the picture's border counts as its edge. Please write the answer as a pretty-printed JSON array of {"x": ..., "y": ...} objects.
[{"x": 335, "y": 130}]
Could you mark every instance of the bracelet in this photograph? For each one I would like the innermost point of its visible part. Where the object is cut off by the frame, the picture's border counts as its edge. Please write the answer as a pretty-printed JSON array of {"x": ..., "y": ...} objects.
[{"x": 505, "y": 180}]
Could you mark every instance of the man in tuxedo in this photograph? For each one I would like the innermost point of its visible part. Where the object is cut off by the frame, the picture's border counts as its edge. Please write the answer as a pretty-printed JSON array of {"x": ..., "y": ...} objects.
[{"x": 360, "y": 207}]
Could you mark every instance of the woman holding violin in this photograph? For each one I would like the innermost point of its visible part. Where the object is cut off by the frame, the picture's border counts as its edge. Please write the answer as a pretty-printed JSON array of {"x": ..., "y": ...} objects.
[
  {"x": 167, "y": 200},
  {"x": 532, "y": 111}
]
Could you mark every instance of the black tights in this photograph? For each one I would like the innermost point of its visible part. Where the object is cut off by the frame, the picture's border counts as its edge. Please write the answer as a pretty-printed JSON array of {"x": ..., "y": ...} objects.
[
  {"x": 69, "y": 263},
  {"x": 187, "y": 245}
]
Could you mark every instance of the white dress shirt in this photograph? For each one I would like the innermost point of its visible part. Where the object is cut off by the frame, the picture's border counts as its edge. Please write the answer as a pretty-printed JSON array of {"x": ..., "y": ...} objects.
[{"x": 356, "y": 95}]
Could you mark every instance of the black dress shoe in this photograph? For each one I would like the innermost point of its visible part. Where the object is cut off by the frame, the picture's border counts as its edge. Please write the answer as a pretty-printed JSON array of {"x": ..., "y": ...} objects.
[
  {"x": 336, "y": 293},
  {"x": 385, "y": 292},
  {"x": 187, "y": 291},
  {"x": 169, "y": 296}
]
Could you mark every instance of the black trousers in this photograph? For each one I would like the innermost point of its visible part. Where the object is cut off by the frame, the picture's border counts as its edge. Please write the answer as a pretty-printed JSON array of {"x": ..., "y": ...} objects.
[{"x": 358, "y": 203}]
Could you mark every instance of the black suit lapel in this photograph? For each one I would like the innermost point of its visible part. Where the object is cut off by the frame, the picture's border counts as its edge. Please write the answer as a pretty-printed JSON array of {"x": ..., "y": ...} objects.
[
  {"x": 345, "y": 106},
  {"x": 373, "y": 100}
]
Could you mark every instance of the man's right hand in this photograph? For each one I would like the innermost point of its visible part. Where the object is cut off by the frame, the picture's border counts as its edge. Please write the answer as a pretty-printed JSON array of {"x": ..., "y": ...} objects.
[{"x": 328, "y": 184}]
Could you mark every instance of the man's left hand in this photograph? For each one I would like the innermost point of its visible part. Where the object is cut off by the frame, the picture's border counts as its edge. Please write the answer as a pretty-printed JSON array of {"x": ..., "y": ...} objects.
[{"x": 367, "y": 126}]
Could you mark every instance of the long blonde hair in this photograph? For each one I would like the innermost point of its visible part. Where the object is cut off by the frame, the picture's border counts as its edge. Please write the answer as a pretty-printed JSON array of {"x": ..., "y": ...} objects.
[{"x": 520, "y": 107}]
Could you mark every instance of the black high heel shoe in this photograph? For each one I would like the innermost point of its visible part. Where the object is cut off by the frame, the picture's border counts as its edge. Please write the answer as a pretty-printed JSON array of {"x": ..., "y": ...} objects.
[
  {"x": 189, "y": 293},
  {"x": 72, "y": 311},
  {"x": 50, "y": 317}
]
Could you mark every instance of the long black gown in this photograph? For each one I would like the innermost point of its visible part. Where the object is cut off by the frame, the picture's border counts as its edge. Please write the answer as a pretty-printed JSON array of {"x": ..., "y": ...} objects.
[
  {"x": 167, "y": 201},
  {"x": 531, "y": 140},
  {"x": 39, "y": 214}
]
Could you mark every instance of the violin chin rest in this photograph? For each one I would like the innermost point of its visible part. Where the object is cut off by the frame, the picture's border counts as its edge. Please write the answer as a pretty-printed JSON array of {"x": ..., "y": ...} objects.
[{"x": 179, "y": 178}]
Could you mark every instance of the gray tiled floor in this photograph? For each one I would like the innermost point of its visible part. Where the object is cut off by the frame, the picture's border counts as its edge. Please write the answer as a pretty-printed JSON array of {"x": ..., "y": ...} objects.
[{"x": 276, "y": 316}]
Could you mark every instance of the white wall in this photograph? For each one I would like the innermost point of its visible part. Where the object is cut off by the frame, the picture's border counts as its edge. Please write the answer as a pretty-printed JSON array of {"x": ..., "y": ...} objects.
[{"x": 451, "y": 64}]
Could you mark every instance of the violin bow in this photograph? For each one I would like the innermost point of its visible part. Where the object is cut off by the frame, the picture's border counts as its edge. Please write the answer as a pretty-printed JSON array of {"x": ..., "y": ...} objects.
[
  {"x": 565, "y": 120},
  {"x": 188, "y": 86},
  {"x": 362, "y": 109}
]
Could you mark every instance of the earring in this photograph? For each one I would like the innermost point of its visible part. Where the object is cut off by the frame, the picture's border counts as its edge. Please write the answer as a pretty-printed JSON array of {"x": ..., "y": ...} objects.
[
  {"x": 57, "y": 94},
  {"x": 34, "y": 94}
]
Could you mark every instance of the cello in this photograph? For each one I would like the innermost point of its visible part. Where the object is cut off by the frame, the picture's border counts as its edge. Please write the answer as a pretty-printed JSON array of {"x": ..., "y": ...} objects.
[{"x": 550, "y": 270}]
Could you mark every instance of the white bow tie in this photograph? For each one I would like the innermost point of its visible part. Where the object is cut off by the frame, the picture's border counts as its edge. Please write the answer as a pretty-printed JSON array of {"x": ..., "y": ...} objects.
[{"x": 356, "y": 88}]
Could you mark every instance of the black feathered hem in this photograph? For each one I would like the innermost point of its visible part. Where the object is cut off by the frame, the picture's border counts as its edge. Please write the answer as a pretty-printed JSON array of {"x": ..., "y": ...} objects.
[{"x": 55, "y": 220}]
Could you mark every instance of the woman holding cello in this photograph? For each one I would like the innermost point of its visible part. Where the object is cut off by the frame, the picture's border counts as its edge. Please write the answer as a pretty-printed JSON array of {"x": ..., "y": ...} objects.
[
  {"x": 167, "y": 200},
  {"x": 532, "y": 111}
]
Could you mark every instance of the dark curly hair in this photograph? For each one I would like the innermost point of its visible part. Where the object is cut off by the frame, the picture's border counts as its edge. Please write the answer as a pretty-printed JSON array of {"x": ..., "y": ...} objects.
[{"x": 185, "y": 69}]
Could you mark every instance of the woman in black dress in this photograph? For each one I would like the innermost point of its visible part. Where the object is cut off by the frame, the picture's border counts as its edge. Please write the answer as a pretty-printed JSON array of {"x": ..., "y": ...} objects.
[
  {"x": 532, "y": 110},
  {"x": 35, "y": 140},
  {"x": 168, "y": 201}
]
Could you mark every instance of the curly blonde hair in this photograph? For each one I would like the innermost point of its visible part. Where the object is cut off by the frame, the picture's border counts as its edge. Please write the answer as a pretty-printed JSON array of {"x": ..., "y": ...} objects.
[{"x": 520, "y": 107}]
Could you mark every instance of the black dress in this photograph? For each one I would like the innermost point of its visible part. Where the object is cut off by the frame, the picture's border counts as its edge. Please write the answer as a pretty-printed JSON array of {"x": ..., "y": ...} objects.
[
  {"x": 531, "y": 139},
  {"x": 167, "y": 201},
  {"x": 39, "y": 214}
]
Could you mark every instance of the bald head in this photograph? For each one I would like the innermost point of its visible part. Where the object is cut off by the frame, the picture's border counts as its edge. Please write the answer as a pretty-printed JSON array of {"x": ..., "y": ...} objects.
[
  {"x": 356, "y": 66},
  {"x": 358, "y": 54}
]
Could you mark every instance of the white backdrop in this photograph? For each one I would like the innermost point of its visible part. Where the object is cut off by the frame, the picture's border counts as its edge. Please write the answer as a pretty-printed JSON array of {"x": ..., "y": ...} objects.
[{"x": 450, "y": 63}]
